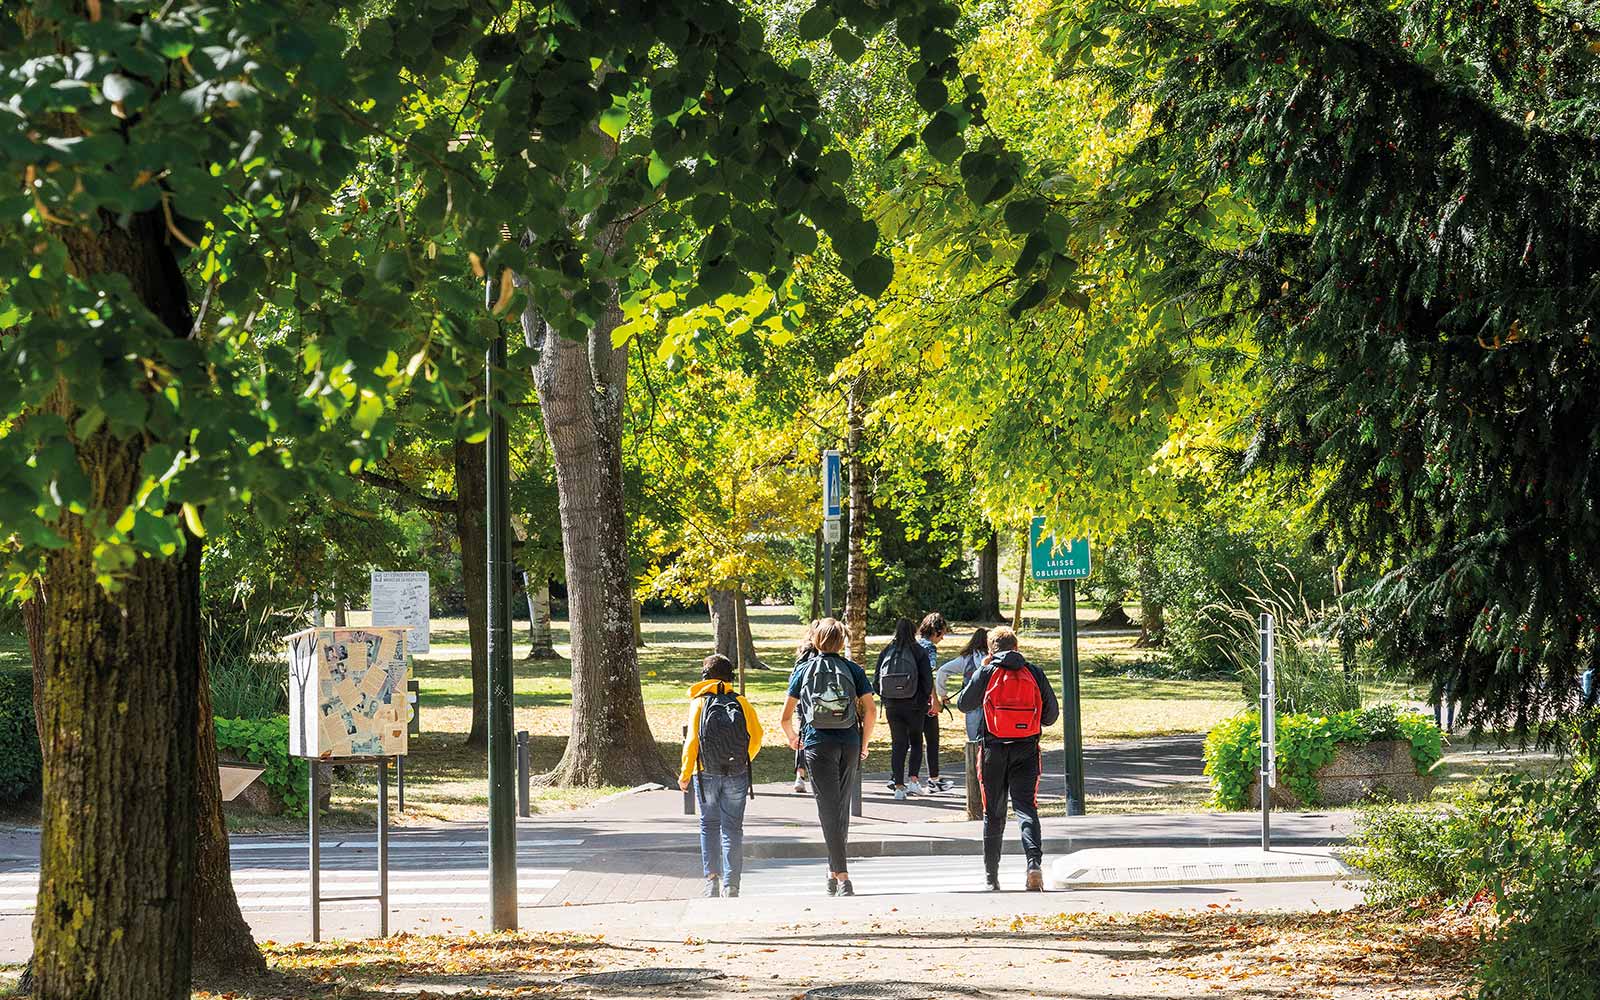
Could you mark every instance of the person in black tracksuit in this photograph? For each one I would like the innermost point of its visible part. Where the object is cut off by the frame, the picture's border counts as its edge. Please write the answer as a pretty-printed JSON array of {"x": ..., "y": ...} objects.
[
  {"x": 906, "y": 715},
  {"x": 1010, "y": 768}
]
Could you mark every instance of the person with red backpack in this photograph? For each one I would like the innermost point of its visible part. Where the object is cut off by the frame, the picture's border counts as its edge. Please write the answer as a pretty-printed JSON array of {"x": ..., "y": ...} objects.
[
  {"x": 723, "y": 739},
  {"x": 1016, "y": 702}
]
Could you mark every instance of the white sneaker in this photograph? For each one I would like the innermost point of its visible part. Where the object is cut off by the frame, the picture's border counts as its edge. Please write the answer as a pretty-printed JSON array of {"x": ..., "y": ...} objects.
[
  {"x": 914, "y": 788},
  {"x": 934, "y": 786},
  {"x": 900, "y": 793},
  {"x": 799, "y": 786}
]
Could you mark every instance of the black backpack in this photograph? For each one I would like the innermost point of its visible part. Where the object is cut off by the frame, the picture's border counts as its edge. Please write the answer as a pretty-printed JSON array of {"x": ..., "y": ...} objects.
[
  {"x": 828, "y": 694},
  {"x": 724, "y": 737},
  {"x": 897, "y": 678}
]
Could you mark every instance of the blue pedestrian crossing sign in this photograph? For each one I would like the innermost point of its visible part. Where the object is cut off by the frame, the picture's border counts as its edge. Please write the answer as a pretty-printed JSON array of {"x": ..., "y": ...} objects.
[
  {"x": 832, "y": 485},
  {"x": 1068, "y": 560}
]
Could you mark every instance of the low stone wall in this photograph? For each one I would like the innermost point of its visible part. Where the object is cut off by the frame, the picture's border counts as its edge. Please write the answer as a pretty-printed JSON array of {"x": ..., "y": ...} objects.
[{"x": 1359, "y": 771}]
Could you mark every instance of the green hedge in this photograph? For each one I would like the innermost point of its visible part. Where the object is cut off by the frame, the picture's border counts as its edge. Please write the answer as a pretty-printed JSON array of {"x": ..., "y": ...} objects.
[
  {"x": 266, "y": 741},
  {"x": 1305, "y": 743},
  {"x": 19, "y": 738}
]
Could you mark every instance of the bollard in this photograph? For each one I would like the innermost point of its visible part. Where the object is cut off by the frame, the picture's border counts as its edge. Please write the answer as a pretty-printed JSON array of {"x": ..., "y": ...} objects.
[
  {"x": 688, "y": 793},
  {"x": 524, "y": 806},
  {"x": 974, "y": 790}
]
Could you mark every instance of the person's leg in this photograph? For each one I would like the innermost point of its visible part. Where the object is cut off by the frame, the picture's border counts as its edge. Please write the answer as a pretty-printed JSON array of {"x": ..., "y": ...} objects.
[
  {"x": 825, "y": 763},
  {"x": 930, "y": 731},
  {"x": 914, "y": 725},
  {"x": 992, "y": 781},
  {"x": 849, "y": 764},
  {"x": 734, "y": 799},
  {"x": 899, "y": 742},
  {"x": 706, "y": 793},
  {"x": 1023, "y": 777}
]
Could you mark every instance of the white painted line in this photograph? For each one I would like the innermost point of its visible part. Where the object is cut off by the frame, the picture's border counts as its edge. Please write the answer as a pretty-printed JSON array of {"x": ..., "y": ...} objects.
[{"x": 478, "y": 898}]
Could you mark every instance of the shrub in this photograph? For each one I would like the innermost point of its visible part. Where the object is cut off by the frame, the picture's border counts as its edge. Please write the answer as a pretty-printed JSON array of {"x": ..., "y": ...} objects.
[
  {"x": 249, "y": 688},
  {"x": 1305, "y": 743},
  {"x": 1415, "y": 854},
  {"x": 19, "y": 739},
  {"x": 266, "y": 741}
]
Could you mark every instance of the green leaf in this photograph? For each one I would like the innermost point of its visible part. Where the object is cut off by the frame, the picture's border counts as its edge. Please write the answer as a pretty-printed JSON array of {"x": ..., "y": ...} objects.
[
  {"x": 1034, "y": 295},
  {"x": 872, "y": 276},
  {"x": 1025, "y": 215},
  {"x": 846, "y": 45},
  {"x": 816, "y": 23},
  {"x": 659, "y": 169},
  {"x": 613, "y": 119},
  {"x": 932, "y": 94}
]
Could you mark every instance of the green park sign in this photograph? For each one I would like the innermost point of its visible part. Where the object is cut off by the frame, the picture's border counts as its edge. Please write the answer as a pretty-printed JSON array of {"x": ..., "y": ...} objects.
[{"x": 1052, "y": 561}]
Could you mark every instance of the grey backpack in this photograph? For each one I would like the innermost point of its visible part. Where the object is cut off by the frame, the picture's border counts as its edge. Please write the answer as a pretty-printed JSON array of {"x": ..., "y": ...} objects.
[{"x": 828, "y": 694}]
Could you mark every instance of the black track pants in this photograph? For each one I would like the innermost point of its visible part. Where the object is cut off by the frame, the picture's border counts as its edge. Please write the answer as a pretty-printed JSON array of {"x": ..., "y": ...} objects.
[
  {"x": 833, "y": 764},
  {"x": 1010, "y": 770},
  {"x": 905, "y": 732}
]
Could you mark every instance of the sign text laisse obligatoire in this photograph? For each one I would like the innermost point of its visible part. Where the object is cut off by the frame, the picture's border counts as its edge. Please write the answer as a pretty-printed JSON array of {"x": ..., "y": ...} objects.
[{"x": 1068, "y": 560}]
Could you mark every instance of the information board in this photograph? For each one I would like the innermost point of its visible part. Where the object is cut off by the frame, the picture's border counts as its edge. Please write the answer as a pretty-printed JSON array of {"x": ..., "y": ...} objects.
[{"x": 402, "y": 599}]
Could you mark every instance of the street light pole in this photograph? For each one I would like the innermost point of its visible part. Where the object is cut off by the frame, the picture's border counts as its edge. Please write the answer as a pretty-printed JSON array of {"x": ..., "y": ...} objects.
[{"x": 502, "y": 740}]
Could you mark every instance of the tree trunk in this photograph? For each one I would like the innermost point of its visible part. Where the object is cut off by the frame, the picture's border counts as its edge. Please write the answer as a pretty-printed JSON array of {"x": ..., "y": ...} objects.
[
  {"x": 1113, "y": 615},
  {"x": 730, "y": 628},
  {"x": 114, "y": 917},
  {"x": 724, "y": 622},
  {"x": 223, "y": 945},
  {"x": 816, "y": 578},
  {"x": 541, "y": 637},
  {"x": 1152, "y": 620},
  {"x": 747, "y": 642},
  {"x": 1022, "y": 584},
  {"x": 989, "y": 578},
  {"x": 855, "y": 600},
  {"x": 340, "y": 615},
  {"x": 638, "y": 624},
  {"x": 471, "y": 466},
  {"x": 581, "y": 386}
]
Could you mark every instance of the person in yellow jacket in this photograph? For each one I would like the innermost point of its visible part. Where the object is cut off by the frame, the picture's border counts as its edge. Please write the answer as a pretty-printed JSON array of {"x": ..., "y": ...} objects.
[{"x": 723, "y": 739}]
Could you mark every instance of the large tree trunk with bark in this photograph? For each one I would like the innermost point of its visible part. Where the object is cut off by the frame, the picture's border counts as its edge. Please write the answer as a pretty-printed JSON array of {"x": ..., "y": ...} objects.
[
  {"x": 581, "y": 386},
  {"x": 730, "y": 628},
  {"x": 541, "y": 637},
  {"x": 114, "y": 917},
  {"x": 223, "y": 945},
  {"x": 471, "y": 531},
  {"x": 855, "y": 598},
  {"x": 989, "y": 578}
]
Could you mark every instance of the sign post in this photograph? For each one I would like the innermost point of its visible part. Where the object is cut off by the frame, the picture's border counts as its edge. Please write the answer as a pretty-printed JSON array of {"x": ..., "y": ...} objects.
[
  {"x": 502, "y": 745},
  {"x": 1269, "y": 731},
  {"x": 832, "y": 511},
  {"x": 1066, "y": 562}
]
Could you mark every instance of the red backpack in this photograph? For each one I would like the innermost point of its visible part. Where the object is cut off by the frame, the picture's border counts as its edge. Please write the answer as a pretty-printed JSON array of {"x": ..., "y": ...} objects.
[{"x": 1012, "y": 704}]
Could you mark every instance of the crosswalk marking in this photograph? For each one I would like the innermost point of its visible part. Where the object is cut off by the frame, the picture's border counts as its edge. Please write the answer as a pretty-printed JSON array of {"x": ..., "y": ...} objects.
[{"x": 879, "y": 876}]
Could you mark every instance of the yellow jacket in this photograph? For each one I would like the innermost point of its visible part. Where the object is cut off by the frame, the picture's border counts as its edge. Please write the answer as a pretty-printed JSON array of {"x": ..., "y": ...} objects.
[{"x": 691, "y": 745}]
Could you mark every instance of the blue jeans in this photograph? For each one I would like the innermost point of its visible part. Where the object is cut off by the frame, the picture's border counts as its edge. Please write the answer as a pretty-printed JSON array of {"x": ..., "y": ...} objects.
[{"x": 722, "y": 798}]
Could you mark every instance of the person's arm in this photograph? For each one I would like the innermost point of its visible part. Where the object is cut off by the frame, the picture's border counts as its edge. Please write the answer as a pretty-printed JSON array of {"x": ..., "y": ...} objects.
[
  {"x": 1052, "y": 708},
  {"x": 752, "y": 724},
  {"x": 787, "y": 722},
  {"x": 941, "y": 679},
  {"x": 971, "y": 697},
  {"x": 869, "y": 717},
  {"x": 691, "y": 746}
]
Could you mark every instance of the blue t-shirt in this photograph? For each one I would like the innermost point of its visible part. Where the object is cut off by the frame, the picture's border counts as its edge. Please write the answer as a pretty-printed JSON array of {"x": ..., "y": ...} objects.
[{"x": 811, "y": 737}]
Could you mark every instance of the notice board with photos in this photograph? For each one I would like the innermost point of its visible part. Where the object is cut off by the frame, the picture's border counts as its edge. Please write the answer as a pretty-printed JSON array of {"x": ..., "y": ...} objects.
[{"x": 347, "y": 692}]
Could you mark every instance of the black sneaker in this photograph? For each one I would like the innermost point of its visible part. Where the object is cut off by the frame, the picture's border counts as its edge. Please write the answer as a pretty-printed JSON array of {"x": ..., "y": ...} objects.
[
  {"x": 992, "y": 880},
  {"x": 833, "y": 886},
  {"x": 845, "y": 888}
]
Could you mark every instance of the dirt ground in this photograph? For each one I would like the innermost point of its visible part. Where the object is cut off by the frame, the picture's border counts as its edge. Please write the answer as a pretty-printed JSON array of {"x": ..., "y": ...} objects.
[{"x": 1354, "y": 955}]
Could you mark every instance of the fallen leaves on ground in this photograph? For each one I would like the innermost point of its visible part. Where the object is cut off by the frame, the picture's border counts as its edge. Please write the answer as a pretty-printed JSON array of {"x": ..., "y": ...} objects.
[
  {"x": 1319, "y": 955},
  {"x": 417, "y": 967}
]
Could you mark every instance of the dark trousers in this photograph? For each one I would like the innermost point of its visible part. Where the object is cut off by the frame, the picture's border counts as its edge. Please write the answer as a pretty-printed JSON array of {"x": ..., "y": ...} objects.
[
  {"x": 800, "y": 759},
  {"x": 905, "y": 736},
  {"x": 1010, "y": 770},
  {"x": 833, "y": 765},
  {"x": 930, "y": 733}
]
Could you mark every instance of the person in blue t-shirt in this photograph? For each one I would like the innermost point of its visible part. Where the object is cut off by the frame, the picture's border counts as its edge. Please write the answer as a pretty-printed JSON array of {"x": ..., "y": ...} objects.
[{"x": 834, "y": 701}]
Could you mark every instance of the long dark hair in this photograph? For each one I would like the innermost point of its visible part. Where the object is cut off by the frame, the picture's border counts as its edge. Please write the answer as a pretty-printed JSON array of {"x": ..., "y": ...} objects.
[
  {"x": 905, "y": 634},
  {"x": 979, "y": 643}
]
